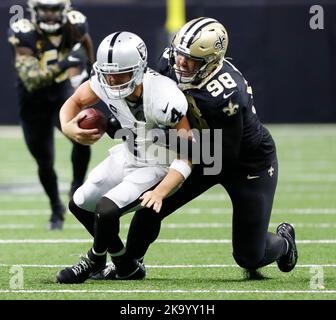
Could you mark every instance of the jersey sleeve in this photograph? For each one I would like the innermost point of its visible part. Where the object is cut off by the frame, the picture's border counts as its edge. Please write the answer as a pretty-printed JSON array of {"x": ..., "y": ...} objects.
[
  {"x": 22, "y": 34},
  {"x": 78, "y": 22}
]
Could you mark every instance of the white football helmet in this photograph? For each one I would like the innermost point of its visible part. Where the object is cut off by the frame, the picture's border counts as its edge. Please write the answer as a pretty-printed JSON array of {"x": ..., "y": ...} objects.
[
  {"x": 121, "y": 52},
  {"x": 202, "y": 39},
  {"x": 50, "y": 23}
]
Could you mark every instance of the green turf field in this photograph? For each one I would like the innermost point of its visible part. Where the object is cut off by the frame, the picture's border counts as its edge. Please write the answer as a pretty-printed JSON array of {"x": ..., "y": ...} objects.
[{"x": 192, "y": 257}]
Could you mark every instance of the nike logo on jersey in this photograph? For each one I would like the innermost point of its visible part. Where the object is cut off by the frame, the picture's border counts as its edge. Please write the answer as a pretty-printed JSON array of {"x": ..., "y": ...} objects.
[
  {"x": 252, "y": 177},
  {"x": 165, "y": 110},
  {"x": 73, "y": 59},
  {"x": 225, "y": 96}
]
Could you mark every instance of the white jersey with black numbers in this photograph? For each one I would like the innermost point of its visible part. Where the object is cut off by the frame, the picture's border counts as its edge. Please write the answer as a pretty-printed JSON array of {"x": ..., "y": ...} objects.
[{"x": 163, "y": 106}]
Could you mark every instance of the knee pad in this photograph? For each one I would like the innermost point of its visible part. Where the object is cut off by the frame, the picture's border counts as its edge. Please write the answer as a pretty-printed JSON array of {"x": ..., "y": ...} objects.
[
  {"x": 88, "y": 195},
  {"x": 78, "y": 198},
  {"x": 107, "y": 209}
]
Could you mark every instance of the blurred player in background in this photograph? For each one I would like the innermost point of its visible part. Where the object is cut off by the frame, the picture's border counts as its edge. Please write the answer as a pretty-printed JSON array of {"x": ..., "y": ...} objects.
[
  {"x": 140, "y": 100},
  {"x": 53, "y": 51},
  {"x": 220, "y": 98}
]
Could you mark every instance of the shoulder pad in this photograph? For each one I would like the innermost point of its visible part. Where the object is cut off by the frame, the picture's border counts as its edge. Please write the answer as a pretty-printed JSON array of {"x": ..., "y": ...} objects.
[
  {"x": 78, "y": 21},
  {"x": 76, "y": 17},
  {"x": 166, "y": 53},
  {"x": 23, "y": 26},
  {"x": 22, "y": 33}
]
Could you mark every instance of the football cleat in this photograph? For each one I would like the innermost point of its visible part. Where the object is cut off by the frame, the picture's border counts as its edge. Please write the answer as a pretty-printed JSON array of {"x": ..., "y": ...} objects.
[
  {"x": 56, "y": 225},
  {"x": 130, "y": 269},
  {"x": 81, "y": 271},
  {"x": 253, "y": 274},
  {"x": 287, "y": 262},
  {"x": 57, "y": 217}
]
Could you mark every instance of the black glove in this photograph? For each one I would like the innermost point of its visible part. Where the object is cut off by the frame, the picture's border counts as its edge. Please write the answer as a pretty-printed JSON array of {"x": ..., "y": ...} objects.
[
  {"x": 113, "y": 125},
  {"x": 75, "y": 58}
]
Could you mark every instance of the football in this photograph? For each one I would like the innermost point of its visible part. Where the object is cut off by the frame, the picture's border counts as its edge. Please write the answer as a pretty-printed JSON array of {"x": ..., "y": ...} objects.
[{"x": 94, "y": 119}]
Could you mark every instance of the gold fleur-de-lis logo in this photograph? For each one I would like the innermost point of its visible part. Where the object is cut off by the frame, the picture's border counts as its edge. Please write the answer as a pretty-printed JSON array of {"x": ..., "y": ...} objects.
[
  {"x": 220, "y": 43},
  {"x": 231, "y": 109},
  {"x": 271, "y": 171}
]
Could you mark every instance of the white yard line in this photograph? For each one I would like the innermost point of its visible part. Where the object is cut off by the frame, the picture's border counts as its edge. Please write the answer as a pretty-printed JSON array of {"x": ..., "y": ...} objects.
[
  {"x": 203, "y": 211},
  {"x": 25, "y": 226},
  {"x": 175, "y": 291},
  {"x": 177, "y": 266},
  {"x": 172, "y": 241}
]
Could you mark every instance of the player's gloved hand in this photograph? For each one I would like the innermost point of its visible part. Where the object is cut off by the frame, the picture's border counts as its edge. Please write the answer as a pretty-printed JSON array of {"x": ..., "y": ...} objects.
[
  {"x": 74, "y": 58},
  {"x": 113, "y": 125}
]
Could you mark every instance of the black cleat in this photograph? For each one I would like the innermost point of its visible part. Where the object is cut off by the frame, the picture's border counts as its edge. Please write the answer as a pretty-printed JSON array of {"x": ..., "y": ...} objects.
[
  {"x": 81, "y": 271},
  {"x": 56, "y": 225},
  {"x": 287, "y": 262},
  {"x": 253, "y": 274},
  {"x": 57, "y": 217},
  {"x": 130, "y": 269}
]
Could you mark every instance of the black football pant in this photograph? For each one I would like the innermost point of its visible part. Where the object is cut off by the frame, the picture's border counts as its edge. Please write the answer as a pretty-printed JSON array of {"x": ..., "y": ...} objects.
[
  {"x": 252, "y": 198},
  {"x": 38, "y": 128}
]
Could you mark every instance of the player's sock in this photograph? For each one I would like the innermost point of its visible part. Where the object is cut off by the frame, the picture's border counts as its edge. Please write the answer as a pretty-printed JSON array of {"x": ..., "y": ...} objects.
[
  {"x": 48, "y": 180},
  {"x": 86, "y": 218},
  {"x": 96, "y": 256},
  {"x": 107, "y": 226},
  {"x": 144, "y": 229},
  {"x": 80, "y": 157}
]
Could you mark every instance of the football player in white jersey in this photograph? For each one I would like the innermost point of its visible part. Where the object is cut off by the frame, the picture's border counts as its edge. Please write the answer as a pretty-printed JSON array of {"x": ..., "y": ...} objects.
[{"x": 141, "y": 100}]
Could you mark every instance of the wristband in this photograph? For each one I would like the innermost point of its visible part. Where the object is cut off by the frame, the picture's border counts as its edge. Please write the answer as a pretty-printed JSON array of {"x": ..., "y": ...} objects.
[{"x": 182, "y": 167}]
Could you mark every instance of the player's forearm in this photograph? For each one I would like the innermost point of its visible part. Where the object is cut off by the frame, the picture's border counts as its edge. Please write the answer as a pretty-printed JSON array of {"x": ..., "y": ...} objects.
[
  {"x": 169, "y": 183},
  {"x": 82, "y": 97},
  {"x": 178, "y": 172},
  {"x": 69, "y": 110}
]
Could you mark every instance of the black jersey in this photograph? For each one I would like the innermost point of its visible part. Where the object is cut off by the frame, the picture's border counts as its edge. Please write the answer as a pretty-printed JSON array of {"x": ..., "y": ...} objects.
[
  {"x": 49, "y": 49},
  {"x": 224, "y": 101}
]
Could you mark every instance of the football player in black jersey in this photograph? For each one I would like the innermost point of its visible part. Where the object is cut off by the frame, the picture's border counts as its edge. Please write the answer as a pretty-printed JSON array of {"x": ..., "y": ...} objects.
[
  {"x": 220, "y": 98},
  {"x": 52, "y": 51}
]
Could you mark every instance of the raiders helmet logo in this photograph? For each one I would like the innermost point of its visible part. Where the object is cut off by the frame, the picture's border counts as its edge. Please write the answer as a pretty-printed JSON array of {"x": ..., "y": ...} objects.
[{"x": 142, "y": 51}]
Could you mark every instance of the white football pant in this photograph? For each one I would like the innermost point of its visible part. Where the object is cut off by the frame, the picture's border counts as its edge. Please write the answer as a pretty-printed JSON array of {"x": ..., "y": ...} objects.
[{"x": 119, "y": 180}]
